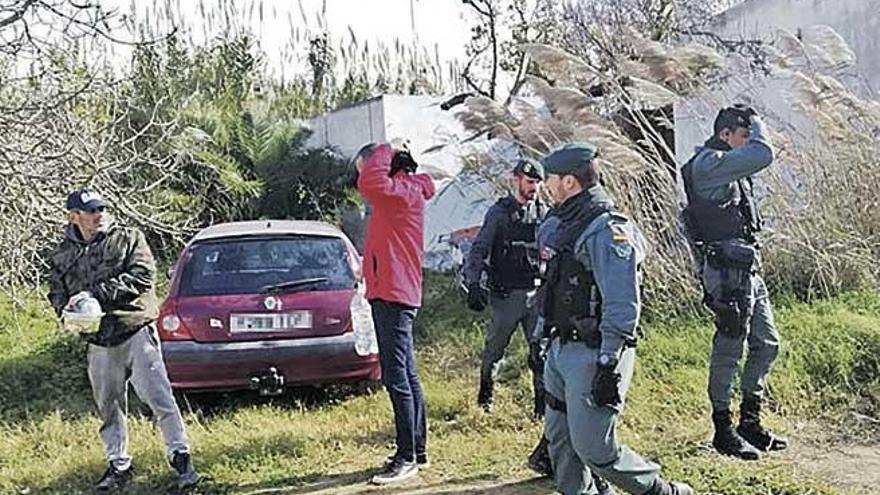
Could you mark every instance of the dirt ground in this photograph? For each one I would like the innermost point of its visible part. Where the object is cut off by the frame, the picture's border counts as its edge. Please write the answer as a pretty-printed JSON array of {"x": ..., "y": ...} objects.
[
  {"x": 418, "y": 486},
  {"x": 852, "y": 464},
  {"x": 854, "y": 469}
]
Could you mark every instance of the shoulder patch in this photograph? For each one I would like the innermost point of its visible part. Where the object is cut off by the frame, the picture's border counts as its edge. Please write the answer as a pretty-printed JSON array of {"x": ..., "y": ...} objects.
[
  {"x": 618, "y": 234},
  {"x": 623, "y": 250},
  {"x": 618, "y": 224}
]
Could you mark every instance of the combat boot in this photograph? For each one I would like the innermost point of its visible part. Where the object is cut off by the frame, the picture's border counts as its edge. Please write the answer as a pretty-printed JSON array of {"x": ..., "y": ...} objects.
[
  {"x": 663, "y": 487},
  {"x": 602, "y": 486},
  {"x": 751, "y": 430},
  {"x": 539, "y": 459},
  {"x": 484, "y": 396},
  {"x": 728, "y": 442}
]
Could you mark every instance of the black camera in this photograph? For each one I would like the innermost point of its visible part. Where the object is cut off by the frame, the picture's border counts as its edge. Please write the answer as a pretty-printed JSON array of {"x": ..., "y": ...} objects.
[{"x": 402, "y": 160}]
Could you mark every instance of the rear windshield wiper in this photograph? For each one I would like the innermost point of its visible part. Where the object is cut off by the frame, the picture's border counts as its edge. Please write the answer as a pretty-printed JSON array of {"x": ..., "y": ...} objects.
[{"x": 293, "y": 284}]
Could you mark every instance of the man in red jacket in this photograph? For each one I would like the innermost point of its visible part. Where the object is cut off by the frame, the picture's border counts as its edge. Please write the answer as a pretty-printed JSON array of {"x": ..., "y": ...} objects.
[{"x": 393, "y": 254}]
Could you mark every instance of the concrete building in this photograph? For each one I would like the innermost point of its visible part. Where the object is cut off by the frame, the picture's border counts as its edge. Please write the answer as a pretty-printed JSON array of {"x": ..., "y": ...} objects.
[
  {"x": 437, "y": 142},
  {"x": 856, "y": 21}
]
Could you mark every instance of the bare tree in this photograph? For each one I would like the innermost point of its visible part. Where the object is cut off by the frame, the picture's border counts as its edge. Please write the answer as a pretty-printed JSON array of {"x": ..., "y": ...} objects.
[{"x": 59, "y": 129}]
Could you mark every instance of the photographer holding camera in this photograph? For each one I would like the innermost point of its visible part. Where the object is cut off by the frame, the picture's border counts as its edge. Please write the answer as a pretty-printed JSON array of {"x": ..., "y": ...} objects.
[
  {"x": 393, "y": 255},
  {"x": 722, "y": 221}
]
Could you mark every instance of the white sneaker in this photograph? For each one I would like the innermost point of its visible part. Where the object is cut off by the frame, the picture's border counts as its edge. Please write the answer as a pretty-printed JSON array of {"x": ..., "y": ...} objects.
[{"x": 395, "y": 472}]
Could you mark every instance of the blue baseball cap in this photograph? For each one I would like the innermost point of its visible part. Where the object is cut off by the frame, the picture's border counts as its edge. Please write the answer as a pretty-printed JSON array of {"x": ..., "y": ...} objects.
[
  {"x": 568, "y": 159},
  {"x": 85, "y": 199}
]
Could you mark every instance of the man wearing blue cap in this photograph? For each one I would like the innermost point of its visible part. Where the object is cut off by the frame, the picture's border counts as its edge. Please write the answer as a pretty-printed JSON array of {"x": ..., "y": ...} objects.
[
  {"x": 591, "y": 309},
  {"x": 507, "y": 239},
  {"x": 722, "y": 222},
  {"x": 98, "y": 260}
]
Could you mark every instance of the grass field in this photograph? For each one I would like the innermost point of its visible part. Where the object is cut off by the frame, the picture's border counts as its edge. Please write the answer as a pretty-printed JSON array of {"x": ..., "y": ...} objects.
[{"x": 825, "y": 393}]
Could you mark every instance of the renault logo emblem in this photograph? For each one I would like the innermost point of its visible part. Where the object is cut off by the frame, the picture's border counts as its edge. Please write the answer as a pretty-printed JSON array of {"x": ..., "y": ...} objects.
[{"x": 272, "y": 303}]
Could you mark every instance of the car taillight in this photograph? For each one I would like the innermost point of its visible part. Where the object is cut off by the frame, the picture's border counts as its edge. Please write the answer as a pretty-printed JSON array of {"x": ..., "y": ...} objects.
[
  {"x": 365, "y": 342},
  {"x": 170, "y": 325}
]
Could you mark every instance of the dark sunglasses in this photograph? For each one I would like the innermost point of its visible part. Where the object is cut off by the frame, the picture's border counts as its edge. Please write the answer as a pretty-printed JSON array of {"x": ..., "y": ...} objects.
[{"x": 99, "y": 209}]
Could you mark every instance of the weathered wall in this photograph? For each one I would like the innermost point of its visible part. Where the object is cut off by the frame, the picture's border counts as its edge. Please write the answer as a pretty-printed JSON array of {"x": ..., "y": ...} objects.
[
  {"x": 348, "y": 128},
  {"x": 857, "y": 21}
]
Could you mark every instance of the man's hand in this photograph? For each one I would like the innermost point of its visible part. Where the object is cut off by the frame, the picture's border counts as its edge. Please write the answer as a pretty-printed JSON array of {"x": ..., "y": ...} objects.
[
  {"x": 476, "y": 297},
  {"x": 76, "y": 298},
  {"x": 606, "y": 382}
]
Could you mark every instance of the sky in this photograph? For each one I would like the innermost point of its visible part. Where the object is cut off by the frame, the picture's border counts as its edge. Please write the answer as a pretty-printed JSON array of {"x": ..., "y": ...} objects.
[{"x": 433, "y": 23}]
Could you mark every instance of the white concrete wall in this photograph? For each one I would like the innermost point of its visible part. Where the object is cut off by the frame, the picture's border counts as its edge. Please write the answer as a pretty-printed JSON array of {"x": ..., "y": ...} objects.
[
  {"x": 857, "y": 21},
  {"x": 348, "y": 128}
]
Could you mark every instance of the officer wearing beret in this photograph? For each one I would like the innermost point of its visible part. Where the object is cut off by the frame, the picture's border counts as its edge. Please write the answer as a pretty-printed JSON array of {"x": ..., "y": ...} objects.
[
  {"x": 592, "y": 310},
  {"x": 507, "y": 239},
  {"x": 722, "y": 223}
]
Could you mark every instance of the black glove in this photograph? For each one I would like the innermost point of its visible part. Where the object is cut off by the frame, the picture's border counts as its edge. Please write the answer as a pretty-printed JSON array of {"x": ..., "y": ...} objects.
[
  {"x": 476, "y": 297},
  {"x": 536, "y": 357},
  {"x": 605, "y": 385}
]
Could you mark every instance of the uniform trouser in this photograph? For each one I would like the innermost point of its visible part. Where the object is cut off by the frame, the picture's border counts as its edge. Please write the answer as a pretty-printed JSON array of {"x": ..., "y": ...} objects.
[
  {"x": 518, "y": 308},
  {"x": 727, "y": 350},
  {"x": 584, "y": 437},
  {"x": 138, "y": 361}
]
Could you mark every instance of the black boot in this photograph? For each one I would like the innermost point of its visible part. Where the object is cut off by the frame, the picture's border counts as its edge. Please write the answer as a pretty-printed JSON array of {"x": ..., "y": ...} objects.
[
  {"x": 539, "y": 459},
  {"x": 484, "y": 396},
  {"x": 114, "y": 479},
  {"x": 602, "y": 486},
  {"x": 186, "y": 473},
  {"x": 728, "y": 442},
  {"x": 663, "y": 487},
  {"x": 751, "y": 430}
]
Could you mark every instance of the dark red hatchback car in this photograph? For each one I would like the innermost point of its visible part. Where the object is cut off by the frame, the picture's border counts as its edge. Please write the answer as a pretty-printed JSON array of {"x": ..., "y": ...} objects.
[{"x": 264, "y": 304}]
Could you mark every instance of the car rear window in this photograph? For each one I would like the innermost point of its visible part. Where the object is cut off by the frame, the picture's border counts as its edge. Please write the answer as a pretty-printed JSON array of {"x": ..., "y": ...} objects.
[{"x": 245, "y": 266}]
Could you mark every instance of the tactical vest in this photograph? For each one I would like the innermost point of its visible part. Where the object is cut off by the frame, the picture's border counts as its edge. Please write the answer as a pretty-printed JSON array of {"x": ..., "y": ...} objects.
[
  {"x": 710, "y": 220},
  {"x": 572, "y": 301},
  {"x": 514, "y": 258}
]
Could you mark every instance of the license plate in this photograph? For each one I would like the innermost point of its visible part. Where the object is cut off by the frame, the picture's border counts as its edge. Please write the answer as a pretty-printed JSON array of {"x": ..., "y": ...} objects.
[{"x": 275, "y": 322}]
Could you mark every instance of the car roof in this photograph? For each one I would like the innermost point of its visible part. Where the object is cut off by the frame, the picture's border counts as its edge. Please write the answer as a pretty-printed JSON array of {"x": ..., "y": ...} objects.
[{"x": 268, "y": 227}]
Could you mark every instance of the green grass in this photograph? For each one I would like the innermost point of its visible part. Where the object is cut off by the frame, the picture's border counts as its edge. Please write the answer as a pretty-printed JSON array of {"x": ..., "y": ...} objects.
[{"x": 829, "y": 370}]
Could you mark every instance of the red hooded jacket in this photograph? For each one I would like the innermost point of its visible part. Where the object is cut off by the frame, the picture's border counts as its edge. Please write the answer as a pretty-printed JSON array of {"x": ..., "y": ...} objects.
[{"x": 394, "y": 245}]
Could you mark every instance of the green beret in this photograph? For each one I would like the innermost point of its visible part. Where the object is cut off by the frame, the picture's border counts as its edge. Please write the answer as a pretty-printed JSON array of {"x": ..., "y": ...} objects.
[
  {"x": 529, "y": 168},
  {"x": 568, "y": 159}
]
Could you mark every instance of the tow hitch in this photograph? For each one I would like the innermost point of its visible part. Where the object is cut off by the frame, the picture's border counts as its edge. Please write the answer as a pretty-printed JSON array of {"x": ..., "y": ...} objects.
[{"x": 269, "y": 383}]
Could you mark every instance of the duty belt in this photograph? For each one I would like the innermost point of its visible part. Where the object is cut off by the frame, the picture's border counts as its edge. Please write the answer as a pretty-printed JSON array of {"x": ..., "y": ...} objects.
[
  {"x": 592, "y": 337},
  {"x": 554, "y": 403}
]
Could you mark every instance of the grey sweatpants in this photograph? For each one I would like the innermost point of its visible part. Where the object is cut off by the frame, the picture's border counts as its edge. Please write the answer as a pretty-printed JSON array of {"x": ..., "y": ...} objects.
[
  {"x": 727, "y": 350},
  {"x": 138, "y": 361}
]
